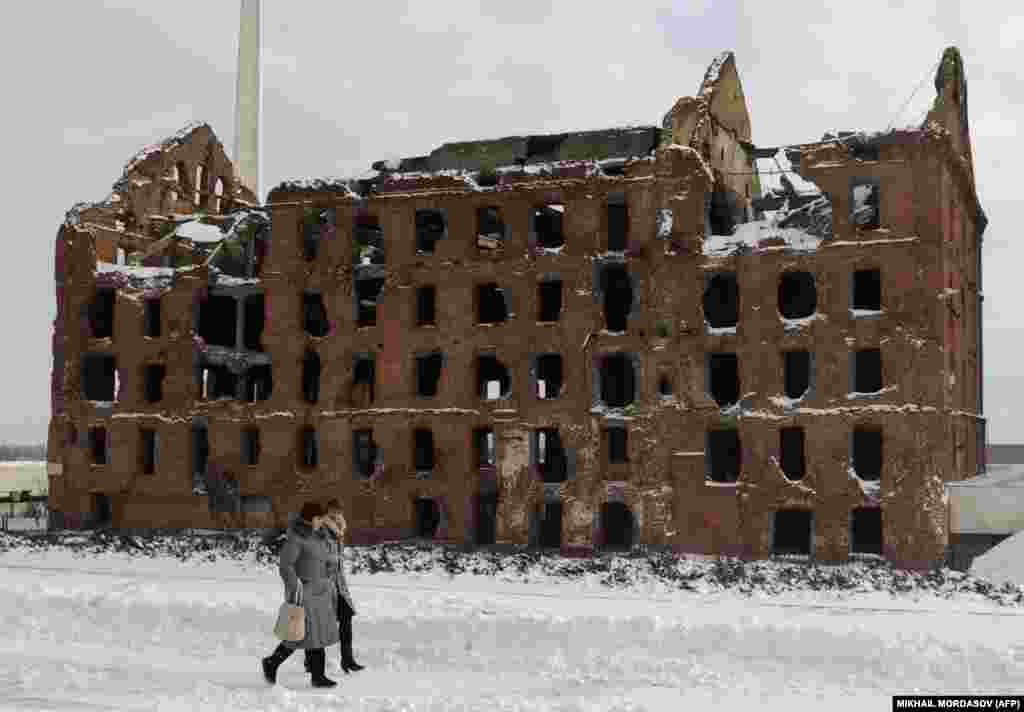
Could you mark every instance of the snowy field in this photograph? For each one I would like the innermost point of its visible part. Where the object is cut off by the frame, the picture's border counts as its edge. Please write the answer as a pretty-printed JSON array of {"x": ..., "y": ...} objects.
[{"x": 116, "y": 623}]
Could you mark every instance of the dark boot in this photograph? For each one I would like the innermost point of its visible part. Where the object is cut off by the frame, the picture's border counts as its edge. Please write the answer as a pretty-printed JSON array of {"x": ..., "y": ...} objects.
[
  {"x": 317, "y": 661},
  {"x": 271, "y": 664},
  {"x": 348, "y": 662}
]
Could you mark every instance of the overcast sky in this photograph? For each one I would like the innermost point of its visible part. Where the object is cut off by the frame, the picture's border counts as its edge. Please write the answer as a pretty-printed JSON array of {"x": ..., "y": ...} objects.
[{"x": 87, "y": 83}]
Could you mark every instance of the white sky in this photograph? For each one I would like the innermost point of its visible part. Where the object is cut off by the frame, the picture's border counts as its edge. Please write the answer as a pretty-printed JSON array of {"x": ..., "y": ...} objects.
[{"x": 88, "y": 83}]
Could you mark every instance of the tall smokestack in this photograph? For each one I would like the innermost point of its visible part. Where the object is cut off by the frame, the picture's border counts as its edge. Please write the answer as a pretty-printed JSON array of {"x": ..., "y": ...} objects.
[{"x": 249, "y": 98}]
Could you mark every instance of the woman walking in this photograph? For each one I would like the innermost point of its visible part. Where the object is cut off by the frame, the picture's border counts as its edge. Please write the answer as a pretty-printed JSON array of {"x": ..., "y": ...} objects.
[
  {"x": 334, "y": 533},
  {"x": 304, "y": 565}
]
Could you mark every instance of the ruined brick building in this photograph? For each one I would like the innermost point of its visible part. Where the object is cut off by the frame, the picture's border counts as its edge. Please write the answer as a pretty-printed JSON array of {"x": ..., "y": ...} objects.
[{"x": 594, "y": 339}]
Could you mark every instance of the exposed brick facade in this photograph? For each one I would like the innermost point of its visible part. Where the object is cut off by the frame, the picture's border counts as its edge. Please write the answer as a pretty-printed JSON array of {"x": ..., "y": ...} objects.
[{"x": 696, "y": 168}]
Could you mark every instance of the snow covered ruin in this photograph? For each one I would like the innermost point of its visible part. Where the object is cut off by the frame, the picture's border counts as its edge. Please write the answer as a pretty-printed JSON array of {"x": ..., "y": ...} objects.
[{"x": 659, "y": 336}]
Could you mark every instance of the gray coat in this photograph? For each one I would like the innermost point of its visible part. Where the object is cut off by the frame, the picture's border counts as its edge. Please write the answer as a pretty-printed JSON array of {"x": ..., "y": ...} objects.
[
  {"x": 336, "y": 565},
  {"x": 304, "y": 558}
]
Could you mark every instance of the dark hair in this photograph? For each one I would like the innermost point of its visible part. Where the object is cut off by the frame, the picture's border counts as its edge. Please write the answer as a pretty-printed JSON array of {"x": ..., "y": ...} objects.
[
  {"x": 332, "y": 504},
  {"x": 310, "y": 510}
]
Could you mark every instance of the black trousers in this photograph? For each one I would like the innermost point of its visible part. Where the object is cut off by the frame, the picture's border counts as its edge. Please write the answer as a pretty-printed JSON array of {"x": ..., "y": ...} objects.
[{"x": 345, "y": 614}]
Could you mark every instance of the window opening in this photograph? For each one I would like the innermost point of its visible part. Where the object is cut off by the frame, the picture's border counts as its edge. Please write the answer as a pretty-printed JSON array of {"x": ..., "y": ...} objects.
[
  {"x": 426, "y": 299},
  {"x": 798, "y": 297},
  {"x": 725, "y": 461},
  {"x": 618, "y": 448},
  {"x": 866, "y": 530},
  {"x": 147, "y": 438},
  {"x": 366, "y": 453},
  {"x": 867, "y": 289},
  {"x": 547, "y": 225},
  {"x": 423, "y": 449},
  {"x": 367, "y": 240},
  {"x": 796, "y": 373},
  {"x": 363, "y": 381},
  {"x": 101, "y": 314},
  {"x": 867, "y": 371},
  {"x": 218, "y": 317},
  {"x": 309, "y": 448},
  {"x": 484, "y": 444},
  {"x": 153, "y": 382},
  {"x": 493, "y": 379},
  {"x": 217, "y": 382},
  {"x": 664, "y": 386},
  {"x": 367, "y": 297},
  {"x": 793, "y": 531},
  {"x": 151, "y": 318},
  {"x": 791, "y": 445},
  {"x": 99, "y": 374},
  {"x": 864, "y": 200},
  {"x": 250, "y": 446},
  {"x": 311, "y": 377},
  {"x": 551, "y": 525},
  {"x": 551, "y": 456},
  {"x": 314, "y": 314},
  {"x": 490, "y": 229},
  {"x": 317, "y": 224},
  {"x": 618, "y": 222},
  {"x": 430, "y": 227},
  {"x": 867, "y": 453},
  {"x": 428, "y": 374},
  {"x": 200, "y": 458},
  {"x": 724, "y": 373},
  {"x": 102, "y": 512},
  {"x": 549, "y": 376},
  {"x": 618, "y": 380},
  {"x": 617, "y": 290},
  {"x": 550, "y": 298},
  {"x": 490, "y": 303},
  {"x": 721, "y": 301},
  {"x": 255, "y": 320}
]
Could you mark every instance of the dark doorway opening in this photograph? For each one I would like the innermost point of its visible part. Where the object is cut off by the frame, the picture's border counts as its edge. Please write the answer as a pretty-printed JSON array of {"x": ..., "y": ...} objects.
[
  {"x": 618, "y": 445},
  {"x": 551, "y": 525},
  {"x": 147, "y": 444},
  {"x": 314, "y": 314},
  {"x": 551, "y": 456},
  {"x": 617, "y": 525},
  {"x": 216, "y": 382},
  {"x": 309, "y": 448},
  {"x": 102, "y": 512},
  {"x": 798, "y": 297},
  {"x": 200, "y": 454},
  {"x": 866, "y": 530},
  {"x": 251, "y": 446},
  {"x": 724, "y": 374},
  {"x": 218, "y": 320},
  {"x": 428, "y": 517},
  {"x": 363, "y": 381},
  {"x": 365, "y": 453},
  {"x": 618, "y": 380},
  {"x": 792, "y": 532},
  {"x": 721, "y": 301},
  {"x": 259, "y": 383},
  {"x": 617, "y": 291},
  {"x": 486, "y": 518},
  {"x": 549, "y": 294},
  {"x": 724, "y": 455}
]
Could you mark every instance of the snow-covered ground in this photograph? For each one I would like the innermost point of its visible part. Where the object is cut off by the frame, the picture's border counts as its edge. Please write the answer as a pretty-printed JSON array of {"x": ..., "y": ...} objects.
[{"x": 116, "y": 623}]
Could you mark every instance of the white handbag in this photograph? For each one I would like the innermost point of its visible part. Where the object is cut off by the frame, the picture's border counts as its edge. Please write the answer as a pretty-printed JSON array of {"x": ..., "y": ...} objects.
[{"x": 291, "y": 619}]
